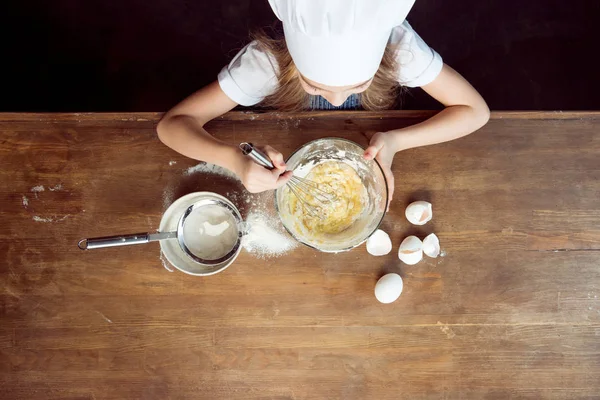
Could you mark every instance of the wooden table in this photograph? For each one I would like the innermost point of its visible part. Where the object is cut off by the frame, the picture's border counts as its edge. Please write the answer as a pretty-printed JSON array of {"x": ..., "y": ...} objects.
[{"x": 512, "y": 311}]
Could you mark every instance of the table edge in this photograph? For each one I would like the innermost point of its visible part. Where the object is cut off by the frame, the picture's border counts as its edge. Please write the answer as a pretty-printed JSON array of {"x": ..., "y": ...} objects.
[{"x": 272, "y": 115}]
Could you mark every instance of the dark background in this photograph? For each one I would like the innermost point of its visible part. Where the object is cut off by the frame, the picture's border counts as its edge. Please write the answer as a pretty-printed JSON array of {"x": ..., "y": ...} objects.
[{"x": 145, "y": 55}]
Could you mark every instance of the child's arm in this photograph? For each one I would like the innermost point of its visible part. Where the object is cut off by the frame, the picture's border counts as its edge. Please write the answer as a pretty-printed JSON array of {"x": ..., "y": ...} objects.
[
  {"x": 465, "y": 112},
  {"x": 182, "y": 129}
]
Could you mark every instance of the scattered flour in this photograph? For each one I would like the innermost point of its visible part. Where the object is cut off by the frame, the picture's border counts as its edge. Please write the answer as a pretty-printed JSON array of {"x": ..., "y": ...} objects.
[
  {"x": 171, "y": 163},
  {"x": 264, "y": 241},
  {"x": 40, "y": 188},
  {"x": 25, "y": 201},
  {"x": 206, "y": 168},
  {"x": 446, "y": 330},
  {"x": 104, "y": 316},
  {"x": 167, "y": 197},
  {"x": 283, "y": 123},
  {"x": 37, "y": 218}
]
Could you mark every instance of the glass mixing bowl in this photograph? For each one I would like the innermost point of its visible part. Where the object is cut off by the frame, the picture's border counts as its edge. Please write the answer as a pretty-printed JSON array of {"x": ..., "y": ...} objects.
[{"x": 371, "y": 175}]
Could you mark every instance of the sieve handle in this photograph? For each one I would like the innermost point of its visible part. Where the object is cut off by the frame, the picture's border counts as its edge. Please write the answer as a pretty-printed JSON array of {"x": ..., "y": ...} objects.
[
  {"x": 257, "y": 155},
  {"x": 113, "y": 241}
]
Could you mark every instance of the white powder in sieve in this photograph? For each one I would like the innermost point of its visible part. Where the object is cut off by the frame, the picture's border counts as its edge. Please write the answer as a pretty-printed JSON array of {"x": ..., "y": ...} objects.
[{"x": 210, "y": 232}]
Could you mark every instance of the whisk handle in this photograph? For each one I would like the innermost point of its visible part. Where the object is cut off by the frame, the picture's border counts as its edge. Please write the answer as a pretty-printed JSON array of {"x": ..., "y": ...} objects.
[{"x": 255, "y": 154}]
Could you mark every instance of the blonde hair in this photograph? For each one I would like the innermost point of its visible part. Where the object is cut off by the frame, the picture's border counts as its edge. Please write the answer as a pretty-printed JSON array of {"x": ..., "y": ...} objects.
[{"x": 382, "y": 93}]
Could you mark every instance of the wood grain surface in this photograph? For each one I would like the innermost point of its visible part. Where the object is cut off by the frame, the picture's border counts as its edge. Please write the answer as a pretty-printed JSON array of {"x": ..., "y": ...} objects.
[{"x": 511, "y": 312}]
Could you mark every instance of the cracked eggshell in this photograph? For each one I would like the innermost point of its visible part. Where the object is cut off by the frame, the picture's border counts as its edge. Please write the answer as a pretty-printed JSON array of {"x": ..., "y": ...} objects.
[
  {"x": 419, "y": 212},
  {"x": 431, "y": 246},
  {"x": 379, "y": 244},
  {"x": 411, "y": 250},
  {"x": 388, "y": 288}
]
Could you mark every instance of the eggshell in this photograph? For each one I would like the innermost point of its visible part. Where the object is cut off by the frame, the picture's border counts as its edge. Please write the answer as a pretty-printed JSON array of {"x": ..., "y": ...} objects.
[
  {"x": 379, "y": 244},
  {"x": 411, "y": 250},
  {"x": 431, "y": 246},
  {"x": 388, "y": 288},
  {"x": 419, "y": 212}
]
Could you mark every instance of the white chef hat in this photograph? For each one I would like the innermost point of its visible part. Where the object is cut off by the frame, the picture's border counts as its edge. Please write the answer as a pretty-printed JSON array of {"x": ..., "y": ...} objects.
[{"x": 339, "y": 42}]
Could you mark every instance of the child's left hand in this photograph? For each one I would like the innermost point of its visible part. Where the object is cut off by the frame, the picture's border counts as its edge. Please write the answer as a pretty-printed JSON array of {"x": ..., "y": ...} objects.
[{"x": 380, "y": 148}]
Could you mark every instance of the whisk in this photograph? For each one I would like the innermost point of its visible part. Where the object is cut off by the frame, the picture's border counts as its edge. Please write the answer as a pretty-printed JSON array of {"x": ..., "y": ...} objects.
[{"x": 314, "y": 199}]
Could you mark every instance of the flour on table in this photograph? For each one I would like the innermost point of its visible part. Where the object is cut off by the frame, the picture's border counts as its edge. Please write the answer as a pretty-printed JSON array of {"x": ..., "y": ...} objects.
[
  {"x": 25, "y": 201},
  {"x": 206, "y": 168},
  {"x": 37, "y": 218},
  {"x": 36, "y": 189},
  {"x": 168, "y": 197},
  {"x": 264, "y": 241}
]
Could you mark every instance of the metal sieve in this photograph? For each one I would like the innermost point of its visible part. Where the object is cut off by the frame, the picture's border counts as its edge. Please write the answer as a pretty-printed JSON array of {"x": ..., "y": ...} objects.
[{"x": 189, "y": 214}]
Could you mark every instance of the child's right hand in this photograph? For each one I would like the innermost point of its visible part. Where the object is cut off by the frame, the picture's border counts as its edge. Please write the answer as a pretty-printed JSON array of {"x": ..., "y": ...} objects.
[{"x": 257, "y": 178}]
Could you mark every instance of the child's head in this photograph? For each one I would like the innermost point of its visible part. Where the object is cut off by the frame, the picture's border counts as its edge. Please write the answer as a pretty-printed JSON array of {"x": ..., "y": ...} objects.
[
  {"x": 335, "y": 48},
  {"x": 380, "y": 92}
]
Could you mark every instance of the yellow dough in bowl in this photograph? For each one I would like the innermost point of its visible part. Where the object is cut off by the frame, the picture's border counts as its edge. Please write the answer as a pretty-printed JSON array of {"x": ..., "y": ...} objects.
[{"x": 342, "y": 211}]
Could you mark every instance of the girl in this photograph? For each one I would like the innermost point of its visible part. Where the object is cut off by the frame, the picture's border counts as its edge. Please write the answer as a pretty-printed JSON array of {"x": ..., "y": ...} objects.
[{"x": 334, "y": 54}]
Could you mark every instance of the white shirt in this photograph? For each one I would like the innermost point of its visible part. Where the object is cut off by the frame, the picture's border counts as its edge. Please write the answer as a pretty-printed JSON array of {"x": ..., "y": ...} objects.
[{"x": 252, "y": 74}]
